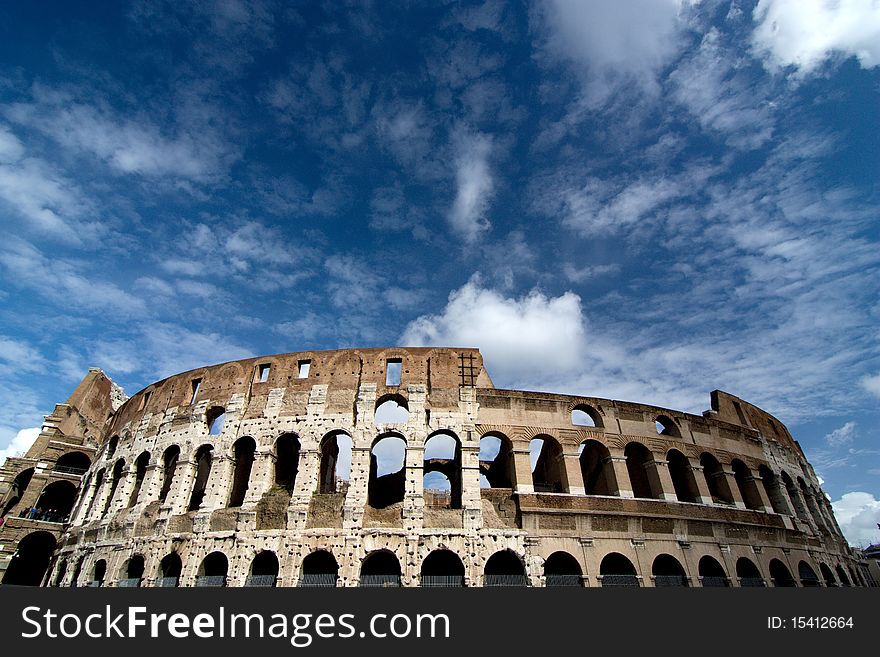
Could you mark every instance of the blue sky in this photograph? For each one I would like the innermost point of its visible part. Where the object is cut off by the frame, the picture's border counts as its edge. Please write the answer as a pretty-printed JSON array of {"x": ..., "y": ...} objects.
[{"x": 636, "y": 200}]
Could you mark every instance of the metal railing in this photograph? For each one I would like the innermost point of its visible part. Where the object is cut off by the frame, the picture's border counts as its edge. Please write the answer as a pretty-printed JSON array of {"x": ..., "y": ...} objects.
[
  {"x": 211, "y": 580},
  {"x": 670, "y": 580},
  {"x": 168, "y": 582},
  {"x": 752, "y": 581},
  {"x": 442, "y": 581},
  {"x": 67, "y": 469},
  {"x": 380, "y": 580},
  {"x": 129, "y": 582},
  {"x": 318, "y": 580},
  {"x": 562, "y": 580},
  {"x": 505, "y": 580},
  {"x": 710, "y": 581},
  {"x": 619, "y": 580},
  {"x": 261, "y": 580}
]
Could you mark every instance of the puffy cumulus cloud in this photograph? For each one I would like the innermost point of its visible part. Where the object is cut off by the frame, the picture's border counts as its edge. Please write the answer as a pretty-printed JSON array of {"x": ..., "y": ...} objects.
[
  {"x": 872, "y": 384},
  {"x": 857, "y": 514},
  {"x": 614, "y": 41},
  {"x": 474, "y": 186},
  {"x": 519, "y": 337},
  {"x": 804, "y": 33},
  {"x": 20, "y": 443},
  {"x": 841, "y": 436}
]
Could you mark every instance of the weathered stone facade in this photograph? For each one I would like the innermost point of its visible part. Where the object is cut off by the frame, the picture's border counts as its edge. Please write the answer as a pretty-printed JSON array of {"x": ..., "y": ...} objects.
[{"x": 224, "y": 476}]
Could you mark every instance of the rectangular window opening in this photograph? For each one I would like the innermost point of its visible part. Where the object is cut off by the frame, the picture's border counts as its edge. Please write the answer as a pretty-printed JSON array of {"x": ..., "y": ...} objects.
[
  {"x": 196, "y": 384},
  {"x": 393, "y": 367},
  {"x": 262, "y": 373},
  {"x": 145, "y": 399},
  {"x": 304, "y": 367}
]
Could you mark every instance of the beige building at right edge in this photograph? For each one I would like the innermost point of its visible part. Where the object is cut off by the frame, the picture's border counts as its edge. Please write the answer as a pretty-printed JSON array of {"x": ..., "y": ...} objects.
[{"x": 407, "y": 467}]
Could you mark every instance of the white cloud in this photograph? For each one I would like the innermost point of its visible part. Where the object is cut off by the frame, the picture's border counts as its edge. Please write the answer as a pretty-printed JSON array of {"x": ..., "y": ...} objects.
[
  {"x": 872, "y": 384},
  {"x": 519, "y": 338},
  {"x": 19, "y": 356},
  {"x": 474, "y": 186},
  {"x": 842, "y": 435},
  {"x": 804, "y": 33},
  {"x": 20, "y": 444},
  {"x": 857, "y": 514}
]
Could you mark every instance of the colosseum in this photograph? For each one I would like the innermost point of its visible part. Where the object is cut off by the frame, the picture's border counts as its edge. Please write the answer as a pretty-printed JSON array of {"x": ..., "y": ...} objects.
[{"x": 407, "y": 467}]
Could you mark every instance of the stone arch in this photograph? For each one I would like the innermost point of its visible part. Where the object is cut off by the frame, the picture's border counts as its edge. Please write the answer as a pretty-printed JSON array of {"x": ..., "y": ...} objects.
[
  {"x": 387, "y": 480},
  {"x": 170, "y": 569},
  {"x": 748, "y": 488},
  {"x": 215, "y": 420},
  {"x": 712, "y": 573},
  {"x": 140, "y": 472},
  {"x": 31, "y": 560},
  {"x": 380, "y": 568},
  {"x": 243, "y": 451},
  {"x": 584, "y": 415},
  {"x": 668, "y": 571},
  {"x": 827, "y": 575},
  {"x": 442, "y": 460},
  {"x": 548, "y": 469},
  {"x": 842, "y": 577},
  {"x": 264, "y": 570},
  {"x": 780, "y": 575},
  {"x": 666, "y": 426},
  {"x": 748, "y": 574},
  {"x": 73, "y": 463},
  {"x": 812, "y": 507},
  {"x": 597, "y": 469},
  {"x": 442, "y": 568},
  {"x": 99, "y": 572},
  {"x": 204, "y": 457},
  {"x": 562, "y": 569},
  {"x": 504, "y": 568},
  {"x": 496, "y": 462},
  {"x": 116, "y": 477},
  {"x": 19, "y": 485},
  {"x": 716, "y": 479},
  {"x": 287, "y": 453},
  {"x": 642, "y": 469},
  {"x": 336, "y": 449},
  {"x": 132, "y": 572},
  {"x": 774, "y": 490},
  {"x": 56, "y": 502},
  {"x": 169, "y": 466},
  {"x": 319, "y": 569},
  {"x": 617, "y": 570},
  {"x": 794, "y": 496},
  {"x": 391, "y": 409},
  {"x": 213, "y": 570},
  {"x": 807, "y": 575},
  {"x": 682, "y": 474}
]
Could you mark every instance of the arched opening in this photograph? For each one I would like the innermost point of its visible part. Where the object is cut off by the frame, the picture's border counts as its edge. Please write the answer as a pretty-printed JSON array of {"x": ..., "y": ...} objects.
[
  {"x": 213, "y": 570},
  {"x": 585, "y": 416},
  {"x": 99, "y": 572},
  {"x": 812, "y": 507},
  {"x": 140, "y": 472},
  {"x": 391, "y": 409},
  {"x": 169, "y": 571},
  {"x": 30, "y": 560},
  {"x": 780, "y": 575},
  {"x": 854, "y": 576},
  {"x": 562, "y": 569},
  {"x": 132, "y": 572},
  {"x": 807, "y": 575},
  {"x": 597, "y": 469},
  {"x": 380, "y": 568},
  {"x": 773, "y": 490},
  {"x": 99, "y": 488},
  {"x": 712, "y": 573},
  {"x": 204, "y": 457},
  {"x": 642, "y": 469},
  {"x": 683, "y": 481},
  {"x": 55, "y": 502},
  {"x": 668, "y": 571},
  {"x": 548, "y": 469},
  {"x": 75, "y": 463},
  {"x": 114, "y": 484},
  {"x": 842, "y": 577},
  {"x": 748, "y": 489},
  {"x": 505, "y": 568},
  {"x": 827, "y": 575},
  {"x": 794, "y": 496},
  {"x": 441, "y": 471},
  {"x": 748, "y": 574},
  {"x": 243, "y": 453},
  {"x": 319, "y": 569},
  {"x": 215, "y": 418},
  {"x": 617, "y": 570},
  {"x": 335, "y": 463},
  {"x": 442, "y": 568},
  {"x": 264, "y": 570},
  {"x": 169, "y": 466},
  {"x": 287, "y": 449},
  {"x": 716, "y": 479},
  {"x": 19, "y": 485},
  {"x": 496, "y": 463},
  {"x": 666, "y": 426},
  {"x": 112, "y": 444},
  {"x": 387, "y": 480}
]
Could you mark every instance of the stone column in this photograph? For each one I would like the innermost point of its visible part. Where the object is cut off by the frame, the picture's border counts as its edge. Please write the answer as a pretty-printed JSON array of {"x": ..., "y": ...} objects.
[
  {"x": 219, "y": 482},
  {"x": 705, "y": 497},
  {"x": 621, "y": 474},
  {"x": 766, "y": 505},
  {"x": 732, "y": 484},
  {"x": 261, "y": 478},
  {"x": 661, "y": 479},
  {"x": 572, "y": 463},
  {"x": 471, "y": 499},
  {"x": 178, "y": 496},
  {"x": 414, "y": 489},
  {"x": 522, "y": 469},
  {"x": 152, "y": 483}
]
